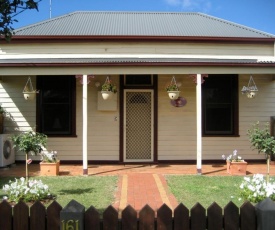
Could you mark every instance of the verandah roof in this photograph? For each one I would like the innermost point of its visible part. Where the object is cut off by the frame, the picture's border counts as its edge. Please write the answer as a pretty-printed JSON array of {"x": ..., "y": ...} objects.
[{"x": 110, "y": 61}]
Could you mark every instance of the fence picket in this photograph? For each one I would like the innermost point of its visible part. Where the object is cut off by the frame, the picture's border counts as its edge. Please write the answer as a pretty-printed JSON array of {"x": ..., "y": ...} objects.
[
  {"x": 129, "y": 218},
  {"x": 181, "y": 218},
  {"x": 5, "y": 215},
  {"x": 21, "y": 216},
  {"x": 37, "y": 216},
  {"x": 110, "y": 218},
  {"x": 248, "y": 216},
  {"x": 214, "y": 217},
  {"x": 53, "y": 216},
  {"x": 146, "y": 218},
  {"x": 164, "y": 218},
  {"x": 231, "y": 217},
  {"x": 92, "y": 219},
  {"x": 198, "y": 217}
]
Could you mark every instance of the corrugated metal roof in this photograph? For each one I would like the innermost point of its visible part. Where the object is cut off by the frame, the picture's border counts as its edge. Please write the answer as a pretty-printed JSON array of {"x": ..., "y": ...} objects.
[
  {"x": 127, "y": 60},
  {"x": 139, "y": 24}
]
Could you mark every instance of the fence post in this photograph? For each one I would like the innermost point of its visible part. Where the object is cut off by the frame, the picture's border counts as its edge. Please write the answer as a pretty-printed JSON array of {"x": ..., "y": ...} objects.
[
  {"x": 72, "y": 216},
  {"x": 265, "y": 212}
]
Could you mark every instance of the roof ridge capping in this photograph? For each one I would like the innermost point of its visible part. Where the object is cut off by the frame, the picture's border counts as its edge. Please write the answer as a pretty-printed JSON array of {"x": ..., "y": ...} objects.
[{"x": 237, "y": 25}]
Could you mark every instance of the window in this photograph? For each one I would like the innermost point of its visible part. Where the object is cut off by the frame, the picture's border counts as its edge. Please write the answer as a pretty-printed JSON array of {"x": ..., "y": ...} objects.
[
  {"x": 56, "y": 105},
  {"x": 139, "y": 80},
  {"x": 220, "y": 105}
]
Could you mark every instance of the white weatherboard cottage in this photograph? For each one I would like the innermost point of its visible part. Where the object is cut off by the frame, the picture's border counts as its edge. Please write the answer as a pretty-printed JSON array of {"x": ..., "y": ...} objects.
[{"x": 68, "y": 58}]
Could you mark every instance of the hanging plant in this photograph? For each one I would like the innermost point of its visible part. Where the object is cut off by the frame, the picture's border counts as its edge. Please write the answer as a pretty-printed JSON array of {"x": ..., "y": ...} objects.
[
  {"x": 28, "y": 91},
  {"x": 251, "y": 89},
  {"x": 172, "y": 89},
  {"x": 108, "y": 89}
]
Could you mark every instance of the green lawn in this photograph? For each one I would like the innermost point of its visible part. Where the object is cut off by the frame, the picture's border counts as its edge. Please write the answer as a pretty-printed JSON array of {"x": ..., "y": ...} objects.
[
  {"x": 98, "y": 191},
  {"x": 205, "y": 189}
]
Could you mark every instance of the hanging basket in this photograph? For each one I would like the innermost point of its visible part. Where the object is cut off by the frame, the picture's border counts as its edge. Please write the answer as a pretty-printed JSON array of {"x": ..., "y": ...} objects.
[
  {"x": 108, "y": 89},
  {"x": 172, "y": 89},
  {"x": 28, "y": 92},
  {"x": 251, "y": 89},
  {"x": 173, "y": 95},
  {"x": 107, "y": 95},
  {"x": 29, "y": 95}
]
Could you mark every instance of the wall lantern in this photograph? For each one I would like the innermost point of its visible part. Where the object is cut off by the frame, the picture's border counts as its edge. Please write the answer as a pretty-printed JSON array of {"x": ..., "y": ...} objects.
[{"x": 251, "y": 89}]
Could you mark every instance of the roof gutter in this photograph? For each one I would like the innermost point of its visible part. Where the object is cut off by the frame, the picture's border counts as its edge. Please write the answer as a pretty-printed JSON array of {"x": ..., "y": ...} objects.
[
  {"x": 66, "y": 38},
  {"x": 137, "y": 64}
]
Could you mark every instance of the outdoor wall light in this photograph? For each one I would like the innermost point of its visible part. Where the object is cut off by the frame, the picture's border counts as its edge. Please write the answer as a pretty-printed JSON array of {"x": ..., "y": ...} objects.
[{"x": 97, "y": 84}]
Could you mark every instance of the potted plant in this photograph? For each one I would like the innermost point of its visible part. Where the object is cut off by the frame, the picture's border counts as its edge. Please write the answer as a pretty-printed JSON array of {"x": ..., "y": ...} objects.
[
  {"x": 261, "y": 139},
  {"x": 108, "y": 89},
  {"x": 29, "y": 92},
  {"x": 49, "y": 165},
  {"x": 235, "y": 164},
  {"x": 172, "y": 89},
  {"x": 29, "y": 142}
]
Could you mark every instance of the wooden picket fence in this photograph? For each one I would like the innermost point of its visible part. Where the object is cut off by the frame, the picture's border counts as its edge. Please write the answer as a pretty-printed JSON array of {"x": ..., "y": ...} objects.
[{"x": 38, "y": 217}]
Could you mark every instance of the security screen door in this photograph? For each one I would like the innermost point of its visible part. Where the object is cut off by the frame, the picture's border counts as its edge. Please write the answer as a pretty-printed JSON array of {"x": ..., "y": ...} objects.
[{"x": 138, "y": 125}]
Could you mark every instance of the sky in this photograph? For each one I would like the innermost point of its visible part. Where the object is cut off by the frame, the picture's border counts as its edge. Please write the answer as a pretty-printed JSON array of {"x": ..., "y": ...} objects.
[{"x": 257, "y": 14}]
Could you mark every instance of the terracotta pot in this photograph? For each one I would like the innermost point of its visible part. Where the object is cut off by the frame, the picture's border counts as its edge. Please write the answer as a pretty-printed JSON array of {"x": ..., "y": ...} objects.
[
  {"x": 49, "y": 169},
  {"x": 236, "y": 168}
]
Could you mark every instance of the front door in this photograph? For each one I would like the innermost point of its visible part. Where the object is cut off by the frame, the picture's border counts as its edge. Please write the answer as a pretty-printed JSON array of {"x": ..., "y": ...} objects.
[{"x": 138, "y": 125}]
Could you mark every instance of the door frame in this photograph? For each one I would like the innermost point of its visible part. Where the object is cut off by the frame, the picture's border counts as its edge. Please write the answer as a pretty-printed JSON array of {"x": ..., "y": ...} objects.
[{"x": 155, "y": 118}]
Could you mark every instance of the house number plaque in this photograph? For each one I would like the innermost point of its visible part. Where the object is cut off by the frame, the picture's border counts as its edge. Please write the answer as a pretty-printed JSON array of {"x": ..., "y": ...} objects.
[
  {"x": 72, "y": 216},
  {"x": 70, "y": 225}
]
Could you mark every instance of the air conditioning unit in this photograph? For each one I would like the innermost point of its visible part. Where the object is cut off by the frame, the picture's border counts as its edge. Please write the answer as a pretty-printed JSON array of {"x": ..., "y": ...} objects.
[{"x": 7, "y": 155}]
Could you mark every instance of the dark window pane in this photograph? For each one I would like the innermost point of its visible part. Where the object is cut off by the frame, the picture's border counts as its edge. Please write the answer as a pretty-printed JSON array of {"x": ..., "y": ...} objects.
[
  {"x": 56, "y": 119},
  {"x": 54, "y": 96},
  {"x": 219, "y": 102},
  {"x": 219, "y": 119},
  {"x": 138, "y": 80},
  {"x": 56, "y": 111}
]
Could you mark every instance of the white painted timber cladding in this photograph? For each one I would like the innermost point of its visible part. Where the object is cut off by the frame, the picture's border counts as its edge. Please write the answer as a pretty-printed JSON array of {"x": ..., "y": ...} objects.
[
  {"x": 176, "y": 126},
  {"x": 180, "y": 48}
]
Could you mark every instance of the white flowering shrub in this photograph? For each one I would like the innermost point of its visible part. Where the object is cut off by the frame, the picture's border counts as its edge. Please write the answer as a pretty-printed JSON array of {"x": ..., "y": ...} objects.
[
  {"x": 27, "y": 191},
  {"x": 256, "y": 189}
]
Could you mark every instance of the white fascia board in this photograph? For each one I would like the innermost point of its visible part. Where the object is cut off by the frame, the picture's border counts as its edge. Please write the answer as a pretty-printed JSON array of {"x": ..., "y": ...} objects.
[{"x": 154, "y": 56}]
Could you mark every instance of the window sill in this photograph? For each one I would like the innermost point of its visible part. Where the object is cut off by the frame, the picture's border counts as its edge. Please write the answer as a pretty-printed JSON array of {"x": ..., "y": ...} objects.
[
  {"x": 221, "y": 135},
  {"x": 61, "y": 136}
]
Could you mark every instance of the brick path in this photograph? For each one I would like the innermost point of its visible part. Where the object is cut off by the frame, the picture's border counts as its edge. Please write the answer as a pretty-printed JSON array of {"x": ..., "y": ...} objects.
[
  {"x": 139, "y": 184},
  {"x": 138, "y": 189}
]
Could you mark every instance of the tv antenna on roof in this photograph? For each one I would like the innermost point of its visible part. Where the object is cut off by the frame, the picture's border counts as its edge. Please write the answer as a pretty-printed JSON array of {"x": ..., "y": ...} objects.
[{"x": 50, "y": 8}]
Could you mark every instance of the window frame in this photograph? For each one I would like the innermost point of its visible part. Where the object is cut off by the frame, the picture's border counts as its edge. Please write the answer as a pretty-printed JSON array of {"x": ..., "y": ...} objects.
[
  {"x": 39, "y": 103},
  {"x": 235, "y": 109}
]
